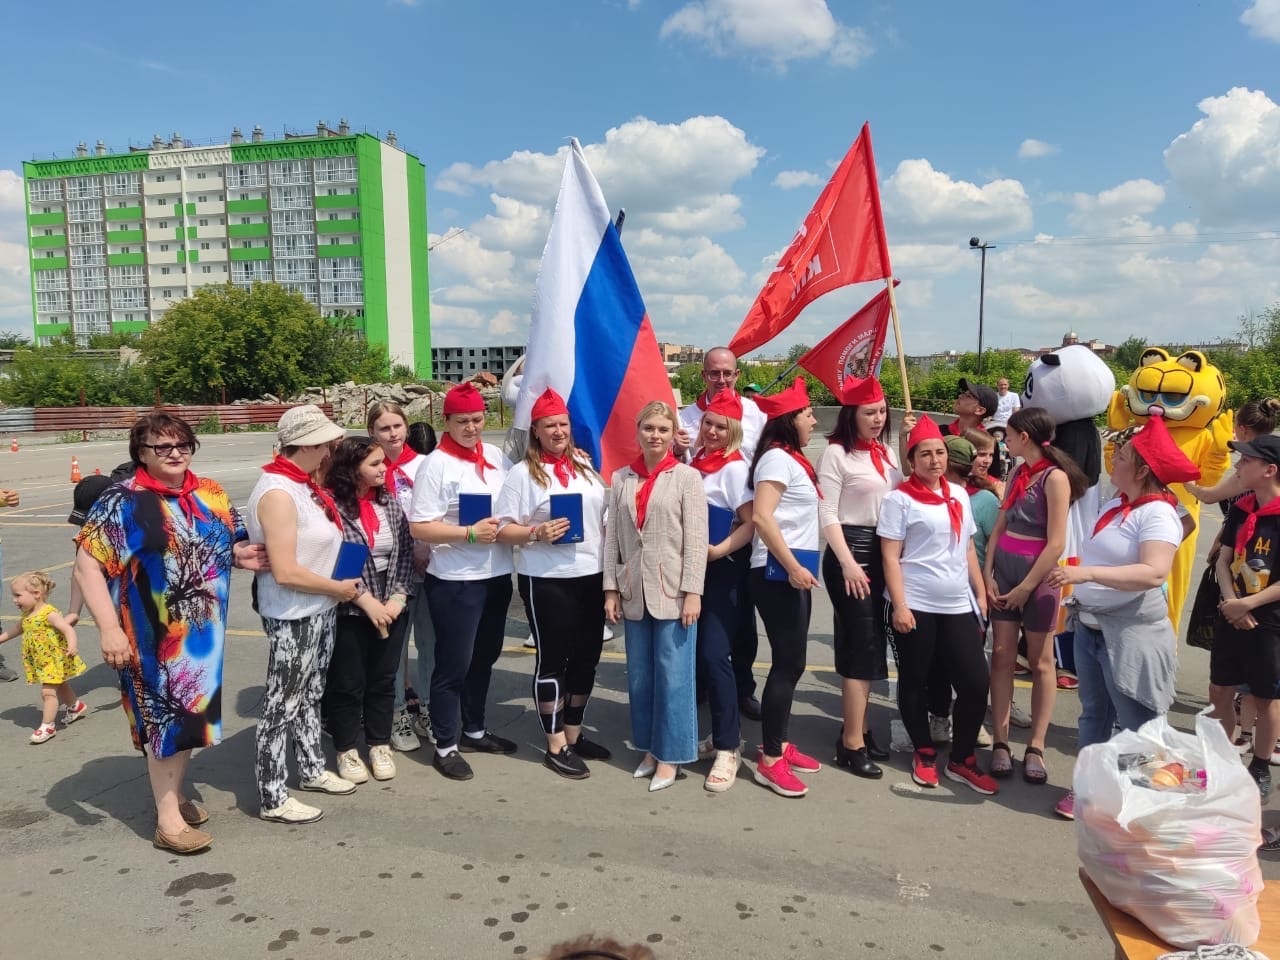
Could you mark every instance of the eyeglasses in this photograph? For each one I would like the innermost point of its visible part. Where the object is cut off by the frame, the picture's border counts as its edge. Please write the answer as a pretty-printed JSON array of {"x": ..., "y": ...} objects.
[
  {"x": 719, "y": 374},
  {"x": 163, "y": 450}
]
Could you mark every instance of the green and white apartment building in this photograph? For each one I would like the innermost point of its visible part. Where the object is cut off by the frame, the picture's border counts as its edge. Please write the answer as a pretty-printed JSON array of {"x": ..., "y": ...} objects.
[{"x": 117, "y": 238}]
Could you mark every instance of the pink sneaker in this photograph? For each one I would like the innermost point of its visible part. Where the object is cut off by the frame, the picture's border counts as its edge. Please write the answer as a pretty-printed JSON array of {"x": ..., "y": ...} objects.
[
  {"x": 800, "y": 761},
  {"x": 75, "y": 712},
  {"x": 969, "y": 774},
  {"x": 779, "y": 778},
  {"x": 924, "y": 767},
  {"x": 1066, "y": 807}
]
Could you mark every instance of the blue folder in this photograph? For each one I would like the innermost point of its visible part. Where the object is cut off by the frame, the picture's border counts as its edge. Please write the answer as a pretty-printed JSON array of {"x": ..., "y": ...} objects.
[
  {"x": 719, "y": 523},
  {"x": 474, "y": 507},
  {"x": 568, "y": 506},
  {"x": 350, "y": 562},
  {"x": 773, "y": 570}
]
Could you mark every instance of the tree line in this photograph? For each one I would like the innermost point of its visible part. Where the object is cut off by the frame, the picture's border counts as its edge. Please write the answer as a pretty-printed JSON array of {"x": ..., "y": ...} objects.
[{"x": 223, "y": 343}]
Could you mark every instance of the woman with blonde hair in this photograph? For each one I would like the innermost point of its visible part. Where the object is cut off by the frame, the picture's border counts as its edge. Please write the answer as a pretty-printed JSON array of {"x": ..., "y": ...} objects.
[
  {"x": 655, "y": 560},
  {"x": 552, "y": 507}
]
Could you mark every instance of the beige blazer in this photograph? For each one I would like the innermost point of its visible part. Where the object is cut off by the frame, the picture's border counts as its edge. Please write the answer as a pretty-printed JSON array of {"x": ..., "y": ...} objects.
[{"x": 652, "y": 569}]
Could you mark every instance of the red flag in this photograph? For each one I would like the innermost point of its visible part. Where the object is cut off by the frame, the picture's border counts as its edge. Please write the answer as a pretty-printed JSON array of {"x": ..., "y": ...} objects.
[
  {"x": 841, "y": 241},
  {"x": 854, "y": 348}
]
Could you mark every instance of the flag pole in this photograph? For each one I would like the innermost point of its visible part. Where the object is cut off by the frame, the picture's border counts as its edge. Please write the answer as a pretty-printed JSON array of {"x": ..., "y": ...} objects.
[
  {"x": 779, "y": 378},
  {"x": 897, "y": 339}
]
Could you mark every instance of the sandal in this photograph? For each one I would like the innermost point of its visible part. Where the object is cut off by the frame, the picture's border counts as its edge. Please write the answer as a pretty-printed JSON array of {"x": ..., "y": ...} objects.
[
  {"x": 1031, "y": 775},
  {"x": 1067, "y": 682},
  {"x": 723, "y": 772},
  {"x": 1001, "y": 771}
]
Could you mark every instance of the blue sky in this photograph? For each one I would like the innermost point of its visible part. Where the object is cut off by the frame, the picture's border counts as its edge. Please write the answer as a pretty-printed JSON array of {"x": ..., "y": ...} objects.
[{"x": 1123, "y": 158}]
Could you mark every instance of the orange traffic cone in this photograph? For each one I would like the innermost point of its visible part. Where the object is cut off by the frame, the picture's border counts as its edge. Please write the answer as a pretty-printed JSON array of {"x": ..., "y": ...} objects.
[
  {"x": 75, "y": 471},
  {"x": 13, "y": 444}
]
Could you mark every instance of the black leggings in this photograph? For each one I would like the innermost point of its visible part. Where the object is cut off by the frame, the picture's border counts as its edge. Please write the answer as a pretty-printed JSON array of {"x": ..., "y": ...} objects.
[
  {"x": 955, "y": 640},
  {"x": 566, "y": 618},
  {"x": 785, "y": 612}
]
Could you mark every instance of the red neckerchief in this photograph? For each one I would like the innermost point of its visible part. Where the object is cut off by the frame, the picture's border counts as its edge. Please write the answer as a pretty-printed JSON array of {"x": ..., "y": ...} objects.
[
  {"x": 288, "y": 469},
  {"x": 879, "y": 454},
  {"x": 1022, "y": 481},
  {"x": 645, "y": 490},
  {"x": 956, "y": 430},
  {"x": 801, "y": 459},
  {"x": 708, "y": 462},
  {"x": 1127, "y": 505},
  {"x": 1249, "y": 504},
  {"x": 561, "y": 465},
  {"x": 396, "y": 474},
  {"x": 190, "y": 506},
  {"x": 369, "y": 516},
  {"x": 970, "y": 489},
  {"x": 917, "y": 491},
  {"x": 475, "y": 455}
]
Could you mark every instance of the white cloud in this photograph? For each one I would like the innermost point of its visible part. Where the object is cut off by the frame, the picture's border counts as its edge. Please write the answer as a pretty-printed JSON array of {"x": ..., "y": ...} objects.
[
  {"x": 1228, "y": 163},
  {"x": 1034, "y": 149},
  {"x": 1263, "y": 19},
  {"x": 677, "y": 202},
  {"x": 922, "y": 203},
  {"x": 1121, "y": 210},
  {"x": 778, "y": 31},
  {"x": 791, "y": 179}
]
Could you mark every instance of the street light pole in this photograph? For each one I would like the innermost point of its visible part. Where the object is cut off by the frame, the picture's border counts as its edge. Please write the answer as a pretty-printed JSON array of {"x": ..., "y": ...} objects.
[{"x": 977, "y": 244}]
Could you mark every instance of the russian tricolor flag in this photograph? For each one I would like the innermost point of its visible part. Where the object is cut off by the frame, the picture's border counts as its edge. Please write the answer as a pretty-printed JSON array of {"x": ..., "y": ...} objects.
[{"x": 589, "y": 336}]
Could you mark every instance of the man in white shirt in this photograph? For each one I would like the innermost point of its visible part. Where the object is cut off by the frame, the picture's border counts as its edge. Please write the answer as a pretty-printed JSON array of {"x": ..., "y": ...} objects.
[
  {"x": 1007, "y": 404},
  {"x": 719, "y": 372}
]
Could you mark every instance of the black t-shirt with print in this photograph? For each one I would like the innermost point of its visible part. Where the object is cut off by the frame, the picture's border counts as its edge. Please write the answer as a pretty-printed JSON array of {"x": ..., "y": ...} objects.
[{"x": 1255, "y": 568}]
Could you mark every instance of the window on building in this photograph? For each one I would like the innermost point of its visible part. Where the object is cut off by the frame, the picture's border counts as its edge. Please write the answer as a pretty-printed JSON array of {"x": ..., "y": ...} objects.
[
  {"x": 164, "y": 248},
  {"x": 246, "y": 220},
  {"x": 331, "y": 169},
  {"x": 80, "y": 211},
  {"x": 285, "y": 172},
  {"x": 116, "y": 184},
  {"x": 48, "y": 209},
  {"x": 164, "y": 271},
  {"x": 48, "y": 232},
  {"x": 204, "y": 246},
  {"x": 247, "y": 175},
  {"x": 202, "y": 199},
  {"x": 164, "y": 224},
  {"x": 201, "y": 175},
  {"x": 292, "y": 197},
  {"x": 160, "y": 178},
  {"x": 83, "y": 187},
  {"x": 206, "y": 269},
  {"x": 204, "y": 223},
  {"x": 42, "y": 190}
]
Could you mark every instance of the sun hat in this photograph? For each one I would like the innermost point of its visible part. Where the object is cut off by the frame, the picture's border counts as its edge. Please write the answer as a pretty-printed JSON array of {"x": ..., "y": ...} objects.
[{"x": 307, "y": 426}]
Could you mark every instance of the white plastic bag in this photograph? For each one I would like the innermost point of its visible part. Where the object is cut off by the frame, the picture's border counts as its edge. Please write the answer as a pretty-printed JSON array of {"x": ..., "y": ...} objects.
[{"x": 1184, "y": 863}]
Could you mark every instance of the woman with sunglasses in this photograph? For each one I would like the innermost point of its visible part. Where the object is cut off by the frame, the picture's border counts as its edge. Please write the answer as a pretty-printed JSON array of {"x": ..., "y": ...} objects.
[
  {"x": 360, "y": 691},
  {"x": 154, "y": 562},
  {"x": 297, "y": 600}
]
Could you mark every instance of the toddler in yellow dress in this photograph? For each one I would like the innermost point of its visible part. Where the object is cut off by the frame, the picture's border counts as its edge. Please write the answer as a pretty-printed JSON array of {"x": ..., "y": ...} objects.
[{"x": 48, "y": 652}]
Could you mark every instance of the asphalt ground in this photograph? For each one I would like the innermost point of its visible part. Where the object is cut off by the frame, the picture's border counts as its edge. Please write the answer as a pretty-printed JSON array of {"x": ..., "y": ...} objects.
[{"x": 516, "y": 859}]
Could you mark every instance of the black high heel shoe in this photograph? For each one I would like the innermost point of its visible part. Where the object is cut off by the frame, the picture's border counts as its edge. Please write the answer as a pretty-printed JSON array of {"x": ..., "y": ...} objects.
[
  {"x": 857, "y": 761},
  {"x": 874, "y": 751}
]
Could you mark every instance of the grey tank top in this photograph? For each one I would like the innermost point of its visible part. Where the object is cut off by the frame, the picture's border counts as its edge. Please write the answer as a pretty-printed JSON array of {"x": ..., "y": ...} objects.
[{"x": 1029, "y": 517}]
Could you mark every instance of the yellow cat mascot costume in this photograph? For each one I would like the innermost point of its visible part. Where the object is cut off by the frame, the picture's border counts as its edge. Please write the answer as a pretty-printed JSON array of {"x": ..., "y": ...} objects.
[{"x": 1191, "y": 396}]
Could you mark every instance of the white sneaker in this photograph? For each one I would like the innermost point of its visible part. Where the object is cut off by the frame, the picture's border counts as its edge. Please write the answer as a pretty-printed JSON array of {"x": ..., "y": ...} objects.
[
  {"x": 706, "y": 749},
  {"x": 384, "y": 768},
  {"x": 291, "y": 811},
  {"x": 530, "y": 643},
  {"x": 899, "y": 740},
  {"x": 403, "y": 737},
  {"x": 940, "y": 729},
  {"x": 422, "y": 727},
  {"x": 607, "y": 635},
  {"x": 329, "y": 782},
  {"x": 1019, "y": 717},
  {"x": 984, "y": 737},
  {"x": 351, "y": 767}
]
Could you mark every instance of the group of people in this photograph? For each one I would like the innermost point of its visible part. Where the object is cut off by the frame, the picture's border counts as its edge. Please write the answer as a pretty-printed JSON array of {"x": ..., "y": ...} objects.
[{"x": 357, "y": 541}]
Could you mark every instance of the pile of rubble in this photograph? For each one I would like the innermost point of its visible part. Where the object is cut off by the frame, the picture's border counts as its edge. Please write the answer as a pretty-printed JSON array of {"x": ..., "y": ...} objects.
[{"x": 351, "y": 401}]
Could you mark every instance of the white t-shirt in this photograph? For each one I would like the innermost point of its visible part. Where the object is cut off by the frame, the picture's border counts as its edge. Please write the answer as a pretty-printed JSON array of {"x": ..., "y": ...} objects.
[
  {"x": 1006, "y": 406},
  {"x": 404, "y": 490},
  {"x": 441, "y": 478},
  {"x": 524, "y": 502},
  {"x": 727, "y": 487},
  {"x": 1119, "y": 544},
  {"x": 753, "y": 421},
  {"x": 935, "y": 564},
  {"x": 797, "y": 510}
]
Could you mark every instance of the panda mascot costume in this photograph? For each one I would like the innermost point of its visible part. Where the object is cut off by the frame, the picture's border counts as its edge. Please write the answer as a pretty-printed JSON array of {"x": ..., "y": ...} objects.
[{"x": 1074, "y": 385}]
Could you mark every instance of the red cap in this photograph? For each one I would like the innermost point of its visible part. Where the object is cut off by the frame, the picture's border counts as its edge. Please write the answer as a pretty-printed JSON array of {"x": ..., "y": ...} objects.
[
  {"x": 464, "y": 398},
  {"x": 550, "y": 404},
  {"x": 861, "y": 393},
  {"x": 726, "y": 403},
  {"x": 1163, "y": 456},
  {"x": 791, "y": 400},
  {"x": 925, "y": 429}
]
